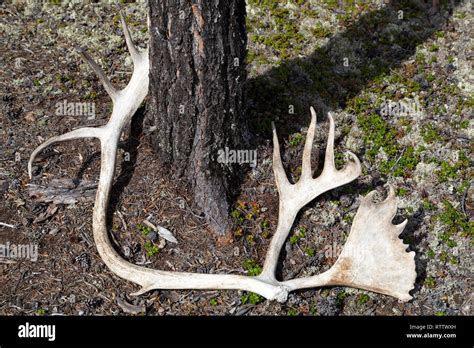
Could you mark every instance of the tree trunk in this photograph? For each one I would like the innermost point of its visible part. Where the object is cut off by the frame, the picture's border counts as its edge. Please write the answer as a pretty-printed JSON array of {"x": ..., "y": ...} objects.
[{"x": 197, "y": 57}]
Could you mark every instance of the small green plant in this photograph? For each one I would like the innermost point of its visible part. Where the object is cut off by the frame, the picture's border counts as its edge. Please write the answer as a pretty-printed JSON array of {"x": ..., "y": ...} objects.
[
  {"x": 252, "y": 268},
  {"x": 340, "y": 297},
  {"x": 464, "y": 124},
  {"x": 320, "y": 31},
  {"x": 362, "y": 299},
  {"x": 144, "y": 230},
  {"x": 348, "y": 218},
  {"x": 92, "y": 95},
  {"x": 214, "y": 302},
  {"x": 428, "y": 205},
  {"x": 239, "y": 232},
  {"x": 237, "y": 215},
  {"x": 296, "y": 139},
  {"x": 455, "y": 221},
  {"x": 440, "y": 314},
  {"x": 401, "y": 191},
  {"x": 430, "y": 253},
  {"x": 446, "y": 237},
  {"x": 298, "y": 235},
  {"x": 451, "y": 171},
  {"x": 265, "y": 224},
  {"x": 310, "y": 252},
  {"x": 430, "y": 133},
  {"x": 292, "y": 312},
  {"x": 403, "y": 165},
  {"x": 454, "y": 260},
  {"x": 41, "y": 311},
  {"x": 430, "y": 77},
  {"x": 250, "y": 239},
  {"x": 446, "y": 172},
  {"x": 430, "y": 282},
  {"x": 443, "y": 256},
  {"x": 433, "y": 48},
  {"x": 420, "y": 58},
  {"x": 252, "y": 298},
  {"x": 150, "y": 248}
]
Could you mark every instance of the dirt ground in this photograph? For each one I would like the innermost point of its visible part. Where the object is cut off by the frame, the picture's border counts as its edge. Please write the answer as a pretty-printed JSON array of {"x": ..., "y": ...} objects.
[{"x": 427, "y": 157}]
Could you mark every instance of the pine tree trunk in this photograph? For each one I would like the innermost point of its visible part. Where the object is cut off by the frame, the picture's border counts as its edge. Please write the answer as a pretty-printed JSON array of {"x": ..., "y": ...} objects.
[{"x": 197, "y": 57}]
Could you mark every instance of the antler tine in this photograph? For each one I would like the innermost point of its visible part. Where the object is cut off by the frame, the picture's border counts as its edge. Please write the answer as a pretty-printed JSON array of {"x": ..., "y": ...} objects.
[
  {"x": 306, "y": 172},
  {"x": 128, "y": 39},
  {"x": 350, "y": 170},
  {"x": 85, "y": 132},
  {"x": 281, "y": 179},
  {"x": 329, "y": 165},
  {"x": 294, "y": 197},
  {"x": 99, "y": 72}
]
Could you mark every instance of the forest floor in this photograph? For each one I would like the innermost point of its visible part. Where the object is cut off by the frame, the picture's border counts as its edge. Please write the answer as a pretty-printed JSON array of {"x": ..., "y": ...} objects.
[{"x": 398, "y": 78}]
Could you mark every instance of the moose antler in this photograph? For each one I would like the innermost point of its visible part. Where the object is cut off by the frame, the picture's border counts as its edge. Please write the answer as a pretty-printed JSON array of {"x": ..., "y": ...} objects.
[{"x": 379, "y": 264}]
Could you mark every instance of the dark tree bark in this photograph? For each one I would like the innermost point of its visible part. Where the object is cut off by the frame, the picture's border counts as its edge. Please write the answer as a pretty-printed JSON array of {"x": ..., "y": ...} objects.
[{"x": 197, "y": 57}]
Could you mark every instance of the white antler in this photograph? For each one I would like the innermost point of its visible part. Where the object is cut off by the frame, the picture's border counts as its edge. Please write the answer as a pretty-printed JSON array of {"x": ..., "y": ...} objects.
[
  {"x": 380, "y": 265},
  {"x": 373, "y": 258},
  {"x": 294, "y": 197}
]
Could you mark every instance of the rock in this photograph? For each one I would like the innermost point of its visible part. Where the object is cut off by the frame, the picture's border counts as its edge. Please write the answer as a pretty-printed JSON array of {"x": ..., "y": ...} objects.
[
  {"x": 30, "y": 117},
  {"x": 153, "y": 236},
  {"x": 422, "y": 81},
  {"x": 54, "y": 231},
  {"x": 127, "y": 251}
]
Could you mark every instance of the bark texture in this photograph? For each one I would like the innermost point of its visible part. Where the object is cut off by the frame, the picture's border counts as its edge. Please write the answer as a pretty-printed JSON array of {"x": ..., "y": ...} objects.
[{"x": 197, "y": 71}]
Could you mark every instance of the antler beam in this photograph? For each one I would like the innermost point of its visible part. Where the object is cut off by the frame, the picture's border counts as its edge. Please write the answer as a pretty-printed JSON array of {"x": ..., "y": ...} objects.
[{"x": 379, "y": 264}]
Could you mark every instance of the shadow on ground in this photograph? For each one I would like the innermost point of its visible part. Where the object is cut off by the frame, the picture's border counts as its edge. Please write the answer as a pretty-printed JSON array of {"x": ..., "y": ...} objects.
[{"x": 372, "y": 46}]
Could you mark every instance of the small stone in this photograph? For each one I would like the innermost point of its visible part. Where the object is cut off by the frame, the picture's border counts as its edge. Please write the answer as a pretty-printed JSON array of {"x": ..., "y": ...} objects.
[
  {"x": 153, "y": 236},
  {"x": 53, "y": 231},
  {"x": 422, "y": 81},
  {"x": 30, "y": 117},
  {"x": 162, "y": 243}
]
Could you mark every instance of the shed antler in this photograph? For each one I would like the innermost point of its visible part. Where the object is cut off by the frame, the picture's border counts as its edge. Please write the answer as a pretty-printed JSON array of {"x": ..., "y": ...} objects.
[
  {"x": 294, "y": 197},
  {"x": 379, "y": 262}
]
